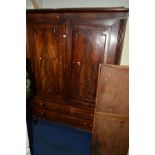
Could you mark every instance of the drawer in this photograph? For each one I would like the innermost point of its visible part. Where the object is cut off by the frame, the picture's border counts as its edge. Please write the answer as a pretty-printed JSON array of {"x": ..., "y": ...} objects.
[
  {"x": 50, "y": 17},
  {"x": 64, "y": 109},
  {"x": 63, "y": 118}
]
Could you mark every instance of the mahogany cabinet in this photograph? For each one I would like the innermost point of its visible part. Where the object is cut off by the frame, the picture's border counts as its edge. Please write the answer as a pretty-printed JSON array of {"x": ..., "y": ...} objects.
[{"x": 65, "y": 48}]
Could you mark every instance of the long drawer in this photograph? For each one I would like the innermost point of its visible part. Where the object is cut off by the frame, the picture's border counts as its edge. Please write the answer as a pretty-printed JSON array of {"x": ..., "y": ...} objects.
[
  {"x": 64, "y": 109},
  {"x": 67, "y": 114},
  {"x": 63, "y": 118}
]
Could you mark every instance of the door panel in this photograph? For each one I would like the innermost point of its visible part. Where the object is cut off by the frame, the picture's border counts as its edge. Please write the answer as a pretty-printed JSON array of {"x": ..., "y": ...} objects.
[
  {"x": 49, "y": 50},
  {"x": 111, "y": 135},
  {"x": 111, "y": 118},
  {"x": 89, "y": 45}
]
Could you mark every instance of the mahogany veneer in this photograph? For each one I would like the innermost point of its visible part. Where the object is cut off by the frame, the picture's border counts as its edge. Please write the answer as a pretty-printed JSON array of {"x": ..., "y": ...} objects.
[{"x": 65, "y": 48}]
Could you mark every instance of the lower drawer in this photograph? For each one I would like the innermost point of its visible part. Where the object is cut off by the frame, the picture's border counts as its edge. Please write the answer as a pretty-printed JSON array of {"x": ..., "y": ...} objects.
[
  {"x": 63, "y": 118},
  {"x": 64, "y": 109}
]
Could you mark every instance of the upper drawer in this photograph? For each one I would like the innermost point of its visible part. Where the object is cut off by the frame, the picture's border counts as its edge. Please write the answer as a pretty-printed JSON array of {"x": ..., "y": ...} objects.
[
  {"x": 64, "y": 109},
  {"x": 48, "y": 17}
]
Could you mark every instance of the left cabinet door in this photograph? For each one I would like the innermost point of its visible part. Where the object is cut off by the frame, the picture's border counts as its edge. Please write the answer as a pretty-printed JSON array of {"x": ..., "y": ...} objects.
[{"x": 48, "y": 50}]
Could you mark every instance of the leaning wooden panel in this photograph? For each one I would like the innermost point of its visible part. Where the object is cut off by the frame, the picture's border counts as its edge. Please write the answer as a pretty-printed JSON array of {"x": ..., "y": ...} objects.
[
  {"x": 113, "y": 90},
  {"x": 111, "y": 125}
]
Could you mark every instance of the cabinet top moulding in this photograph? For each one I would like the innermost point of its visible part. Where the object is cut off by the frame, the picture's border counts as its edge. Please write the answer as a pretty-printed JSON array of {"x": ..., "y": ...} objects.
[{"x": 91, "y": 9}]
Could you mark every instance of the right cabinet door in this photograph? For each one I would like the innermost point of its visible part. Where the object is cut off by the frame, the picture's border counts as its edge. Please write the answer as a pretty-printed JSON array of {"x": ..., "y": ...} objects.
[{"x": 92, "y": 44}]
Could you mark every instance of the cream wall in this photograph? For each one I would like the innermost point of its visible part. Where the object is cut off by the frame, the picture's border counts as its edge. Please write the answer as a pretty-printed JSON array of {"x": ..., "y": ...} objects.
[
  {"x": 90, "y": 3},
  {"x": 84, "y": 3},
  {"x": 30, "y": 6},
  {"x": 125, "y": 52}
]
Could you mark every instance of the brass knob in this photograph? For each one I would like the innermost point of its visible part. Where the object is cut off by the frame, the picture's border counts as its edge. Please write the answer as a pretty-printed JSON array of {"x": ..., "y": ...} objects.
[
  {"x": 64, "y": 36},
  {"x": 41, "y": 58},
  {"x": 78, "y": 63},
  {"x": 85, "y": 123},
  {"x": 42, "y": 104},
  {"x": 41, "y": 113}
]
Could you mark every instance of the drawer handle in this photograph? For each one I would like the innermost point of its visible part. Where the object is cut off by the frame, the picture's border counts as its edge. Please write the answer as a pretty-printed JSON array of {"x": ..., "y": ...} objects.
[
  {"x": 41, "y": 113},
  {"x": 64, "y": 35},
  {"x": 42, "y": 104},
  {"x": 92, "y": 115},
  {"x": 78, "y": 63},
  {"x": 85, "y": 123}
]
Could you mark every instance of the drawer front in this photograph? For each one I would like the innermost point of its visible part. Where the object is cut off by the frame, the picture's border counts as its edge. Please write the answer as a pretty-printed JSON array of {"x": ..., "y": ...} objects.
[
  {"x": 64, "y": 109},
  {"x": 50, "y": 17},
  {"x": 63, "y": 118}
]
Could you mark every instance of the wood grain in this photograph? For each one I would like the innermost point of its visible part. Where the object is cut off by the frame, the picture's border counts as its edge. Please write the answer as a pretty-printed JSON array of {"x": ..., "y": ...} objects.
[
  {"x": 111, "y": 124},
  {"x": 65, "y": 48}
]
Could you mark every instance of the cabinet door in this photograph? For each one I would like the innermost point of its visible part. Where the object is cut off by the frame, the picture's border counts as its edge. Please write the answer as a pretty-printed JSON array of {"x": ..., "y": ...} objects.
[
  {"x": 93, "y": 42},
  {"x": 89, "y": 45},
  {"x": 49, "y": 54}
]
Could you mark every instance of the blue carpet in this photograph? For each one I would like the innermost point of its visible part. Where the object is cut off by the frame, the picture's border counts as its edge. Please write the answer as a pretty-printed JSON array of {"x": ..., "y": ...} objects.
[{"x": 48, "y": 138}]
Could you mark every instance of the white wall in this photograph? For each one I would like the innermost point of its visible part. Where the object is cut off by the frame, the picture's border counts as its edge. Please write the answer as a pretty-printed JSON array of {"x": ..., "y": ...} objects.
[
  {"x": 125, "y": 52},
  {"x": 84, "y": 3},
  {"x": 27, "y": 145},
  {"x": 90, "y": 3},
  {"x": 30, "y": 6}
]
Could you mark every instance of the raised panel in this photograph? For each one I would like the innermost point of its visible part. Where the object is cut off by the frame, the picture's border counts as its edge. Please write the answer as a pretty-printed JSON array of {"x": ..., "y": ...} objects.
[
  {"x": 49, "y": 51},
  {"x": 89, "y": 44}
]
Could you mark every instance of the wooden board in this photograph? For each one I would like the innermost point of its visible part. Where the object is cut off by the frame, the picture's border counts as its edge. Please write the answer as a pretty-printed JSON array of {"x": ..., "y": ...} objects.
[{"x": 111, "y": 121}]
